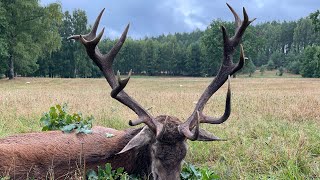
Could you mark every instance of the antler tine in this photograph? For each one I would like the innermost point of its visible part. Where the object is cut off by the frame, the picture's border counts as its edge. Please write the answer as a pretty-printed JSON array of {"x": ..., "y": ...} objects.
[
  {"x": 235, "y": 40},
  {"x": 227, "y": 68},
  {"x": 105, "y": 61},
  {"x": 240, "y": 64},
  {"x": 116, "y": 48},
  {"x": 92, "y": 34},
  {"x": 122, "y": 84},
  {"x": 225, "y": 116},
  {"x": 185, "y": 130},
  {"x": 237, "y": 20}
]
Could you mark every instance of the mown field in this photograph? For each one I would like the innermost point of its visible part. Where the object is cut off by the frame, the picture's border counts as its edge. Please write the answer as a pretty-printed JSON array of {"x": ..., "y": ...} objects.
[{"x": 273, "y": 131}]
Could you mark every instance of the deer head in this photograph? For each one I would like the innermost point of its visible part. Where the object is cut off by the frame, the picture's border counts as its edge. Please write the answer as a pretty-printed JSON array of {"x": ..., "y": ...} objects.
[{"x": 165, "y": 134}]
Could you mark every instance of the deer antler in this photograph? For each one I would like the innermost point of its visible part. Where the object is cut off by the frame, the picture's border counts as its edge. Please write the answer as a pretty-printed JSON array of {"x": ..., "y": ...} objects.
[
  {"x": 104, "y": 62},
  {"x": 227, "y": 68}
]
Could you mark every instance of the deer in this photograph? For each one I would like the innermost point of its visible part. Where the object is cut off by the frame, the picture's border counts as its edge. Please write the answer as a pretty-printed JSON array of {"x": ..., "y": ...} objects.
[{"x": 156, "y": 149}]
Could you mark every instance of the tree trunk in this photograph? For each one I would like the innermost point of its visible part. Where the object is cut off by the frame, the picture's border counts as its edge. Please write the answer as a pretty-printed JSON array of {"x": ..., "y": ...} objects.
[{"x": 11, "y": 67}]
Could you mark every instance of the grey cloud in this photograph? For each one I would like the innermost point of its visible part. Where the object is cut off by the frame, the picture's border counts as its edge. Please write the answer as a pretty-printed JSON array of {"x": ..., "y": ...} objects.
[{"x": 151, "y": 18}]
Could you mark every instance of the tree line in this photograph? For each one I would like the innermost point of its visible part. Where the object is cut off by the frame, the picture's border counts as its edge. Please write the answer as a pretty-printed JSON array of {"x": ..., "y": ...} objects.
[{"x": 33, "y": 42}]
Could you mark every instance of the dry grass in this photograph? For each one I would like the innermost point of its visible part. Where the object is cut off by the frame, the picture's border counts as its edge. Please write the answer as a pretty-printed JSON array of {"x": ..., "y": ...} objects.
[{"x": 273, "y": 130}]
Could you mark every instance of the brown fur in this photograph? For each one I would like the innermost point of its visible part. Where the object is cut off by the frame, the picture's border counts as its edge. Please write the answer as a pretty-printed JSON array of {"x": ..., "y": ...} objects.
[
  {"x": 168, "y": 150},
  {"x": 37, "y": 154}
]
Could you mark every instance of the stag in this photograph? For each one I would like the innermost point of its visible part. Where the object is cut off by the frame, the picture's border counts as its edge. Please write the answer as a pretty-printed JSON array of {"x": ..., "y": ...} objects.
[{"x": 157, "y": 148}]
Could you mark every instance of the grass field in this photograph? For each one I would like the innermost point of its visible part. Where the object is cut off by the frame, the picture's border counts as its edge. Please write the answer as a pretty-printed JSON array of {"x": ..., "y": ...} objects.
[{"x": 273, "y": 131}]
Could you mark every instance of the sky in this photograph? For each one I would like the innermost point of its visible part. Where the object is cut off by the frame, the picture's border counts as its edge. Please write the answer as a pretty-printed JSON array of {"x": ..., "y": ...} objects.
[{"x": 153, "y": 18}]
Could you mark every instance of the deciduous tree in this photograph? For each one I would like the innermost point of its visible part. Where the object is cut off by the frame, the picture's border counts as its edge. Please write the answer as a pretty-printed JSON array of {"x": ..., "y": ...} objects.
[{"x": 31, "y": 32}]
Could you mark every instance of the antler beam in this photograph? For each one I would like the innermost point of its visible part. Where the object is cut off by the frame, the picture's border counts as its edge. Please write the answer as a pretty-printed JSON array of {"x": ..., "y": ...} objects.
[
  {"x": 227, "y": 68},
  {"x": 104, "y": 62}
]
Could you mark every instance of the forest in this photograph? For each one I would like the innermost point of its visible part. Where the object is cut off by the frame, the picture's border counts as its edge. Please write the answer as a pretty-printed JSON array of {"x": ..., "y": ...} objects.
[{"x": 33, "y": 43}]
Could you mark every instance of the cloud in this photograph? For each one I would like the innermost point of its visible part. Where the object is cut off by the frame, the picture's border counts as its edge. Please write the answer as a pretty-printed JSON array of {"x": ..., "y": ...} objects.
[
  {"x": 152, "y": 18},
  {"x": 188, "y": 12},
  {"x": 259, "y": 3}
]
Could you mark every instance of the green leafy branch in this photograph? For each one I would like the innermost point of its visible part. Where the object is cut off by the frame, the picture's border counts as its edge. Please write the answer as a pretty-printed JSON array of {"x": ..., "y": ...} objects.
[
  {"x": 107, "y": 173},
  {"x": 58, "y": 119},
  {"x": 189, "y": 172}
]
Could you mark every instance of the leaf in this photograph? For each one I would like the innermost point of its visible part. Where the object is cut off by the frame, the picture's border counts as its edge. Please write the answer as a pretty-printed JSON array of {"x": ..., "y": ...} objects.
[
  {"x": 86, "y": 131},
  {"x": 101, "y": 172},
  {"x": 108, "y": 168},
  {"x": 68, "y": 119},
  {"x": 120, "y": 170},
  {"x": 53, "y": 113},
  {"x": 194, "y": 171},
  {"x": 68, "y": 128},
  {"x": 58, "y": 106},
  {"x": 92, "y": 175},
  {"x": 108, "y": 135},
  {"x": 185, "y": 175},
  {"x": 43, "y": 118},
  {"x": 76, "y": 117},
  {"x": 45, "y": 128}
]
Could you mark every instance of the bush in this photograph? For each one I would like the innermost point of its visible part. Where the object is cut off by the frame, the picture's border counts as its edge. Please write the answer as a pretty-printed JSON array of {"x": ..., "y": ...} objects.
[
  {"x": 281, "y": 70},
  {"x": 58, "y": 119},
  {"x": 311, "y": 62},
  {"x": 263, "y": 69},
  {"x": 277, "y": 59},
  {"x": 294, "y": 67},
  {"x": 270, "y": 65},
  {"x": 249, "y": 67}
]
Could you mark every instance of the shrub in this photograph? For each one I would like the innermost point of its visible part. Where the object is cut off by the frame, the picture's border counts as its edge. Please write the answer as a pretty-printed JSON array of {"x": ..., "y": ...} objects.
[
  {"x": 294, "y": 67},
  {"x": 311, "y": 62},
  {"x": 281, "y": 70},
  {"x": 270, "y": 65},
  {"x": 249, "y": 67},
  {"x": 277, "y": 59},
  {"x": 262, "y": 69},
  {"x": 58, "y": 119}
]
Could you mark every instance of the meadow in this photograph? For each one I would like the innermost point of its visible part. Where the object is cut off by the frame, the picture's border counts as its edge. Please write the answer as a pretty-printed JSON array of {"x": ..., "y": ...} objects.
[{"x": 273, "y": 131}]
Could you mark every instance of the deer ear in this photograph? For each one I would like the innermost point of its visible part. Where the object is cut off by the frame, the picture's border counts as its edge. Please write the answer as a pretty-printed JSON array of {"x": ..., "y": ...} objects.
[
  {"x": 207, "y": 136},
  {"x": 142, "y": 138}
]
